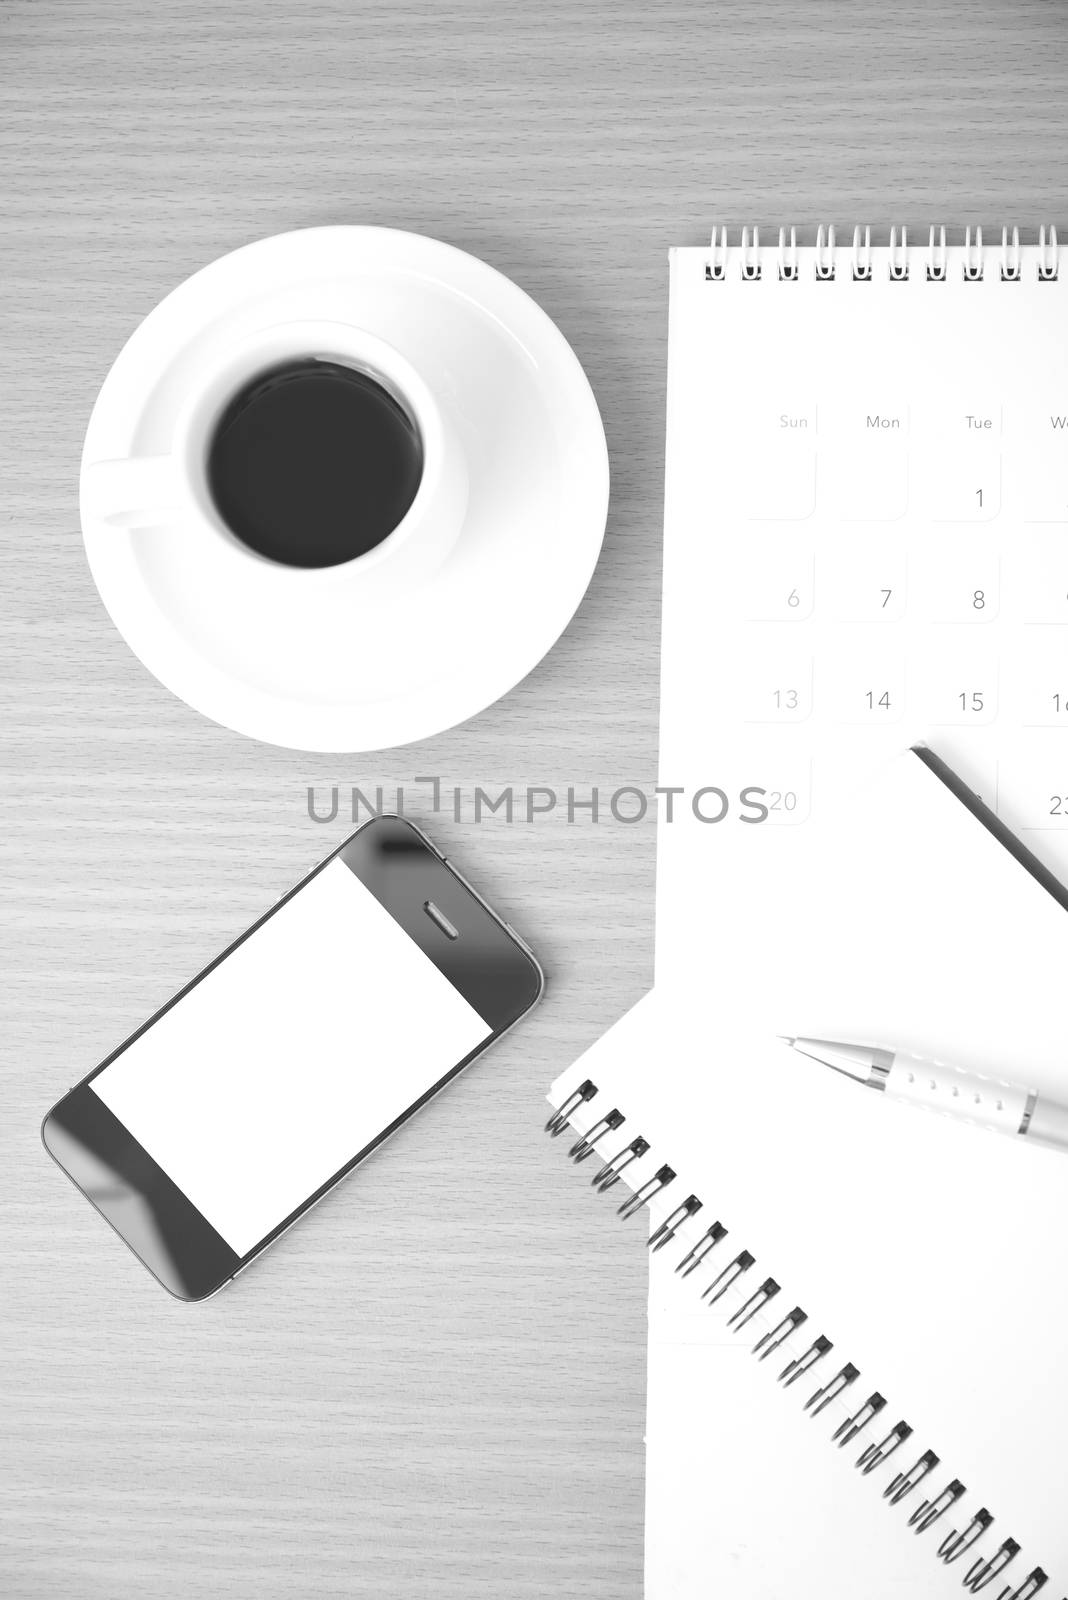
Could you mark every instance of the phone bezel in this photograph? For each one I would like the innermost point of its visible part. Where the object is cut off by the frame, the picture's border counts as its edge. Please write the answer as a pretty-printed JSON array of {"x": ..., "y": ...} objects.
[{"x": 488, "y": 964}]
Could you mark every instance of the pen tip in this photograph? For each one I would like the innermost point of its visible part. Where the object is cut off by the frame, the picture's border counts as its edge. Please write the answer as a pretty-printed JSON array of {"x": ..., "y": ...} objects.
[{"x": 786, "y": 1039}]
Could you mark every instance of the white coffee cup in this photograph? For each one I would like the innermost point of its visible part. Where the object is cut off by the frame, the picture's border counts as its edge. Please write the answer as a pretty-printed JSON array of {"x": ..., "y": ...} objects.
[{"x": 147, "y": 492}]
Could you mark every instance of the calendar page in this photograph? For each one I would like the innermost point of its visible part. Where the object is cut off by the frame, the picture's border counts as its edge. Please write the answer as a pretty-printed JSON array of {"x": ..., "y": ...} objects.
[{"x": 866, "y": 539}]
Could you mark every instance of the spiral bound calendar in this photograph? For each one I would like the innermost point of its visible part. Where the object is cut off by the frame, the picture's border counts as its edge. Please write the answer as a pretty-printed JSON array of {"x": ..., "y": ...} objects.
[{"x": 866, "y": 547}]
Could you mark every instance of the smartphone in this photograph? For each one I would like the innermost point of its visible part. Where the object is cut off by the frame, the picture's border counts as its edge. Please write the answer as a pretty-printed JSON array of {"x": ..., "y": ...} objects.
[{"x": 316, "y": 1035}]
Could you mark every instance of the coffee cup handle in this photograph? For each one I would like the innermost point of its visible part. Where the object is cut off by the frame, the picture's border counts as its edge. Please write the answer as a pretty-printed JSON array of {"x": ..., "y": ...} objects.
[{"x": 137, "y": 492}]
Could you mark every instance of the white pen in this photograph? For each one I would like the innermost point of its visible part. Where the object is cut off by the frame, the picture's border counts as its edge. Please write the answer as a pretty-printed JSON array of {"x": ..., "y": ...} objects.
[{"x": 1009, "y": 1108}]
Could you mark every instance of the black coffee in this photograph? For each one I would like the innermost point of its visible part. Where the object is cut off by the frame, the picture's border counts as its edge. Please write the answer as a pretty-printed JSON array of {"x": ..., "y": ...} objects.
[{"x": 313, "y": 463}]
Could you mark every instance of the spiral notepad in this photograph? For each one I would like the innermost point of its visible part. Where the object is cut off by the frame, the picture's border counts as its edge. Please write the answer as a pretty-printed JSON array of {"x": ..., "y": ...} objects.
[{"x": 866, "y": 546}]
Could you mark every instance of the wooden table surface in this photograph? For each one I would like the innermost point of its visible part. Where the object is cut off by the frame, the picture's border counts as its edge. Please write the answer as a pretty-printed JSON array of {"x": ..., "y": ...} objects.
[{"x": 433, "y": 1386}]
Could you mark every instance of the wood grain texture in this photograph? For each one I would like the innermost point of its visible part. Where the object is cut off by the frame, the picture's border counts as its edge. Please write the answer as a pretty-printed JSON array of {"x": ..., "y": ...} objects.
[{"x": 434, "y": 1386}]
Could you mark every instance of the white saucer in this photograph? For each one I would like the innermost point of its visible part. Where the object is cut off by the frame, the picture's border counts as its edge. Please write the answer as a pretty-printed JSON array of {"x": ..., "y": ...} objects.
[{"x": 330, "y": 673}]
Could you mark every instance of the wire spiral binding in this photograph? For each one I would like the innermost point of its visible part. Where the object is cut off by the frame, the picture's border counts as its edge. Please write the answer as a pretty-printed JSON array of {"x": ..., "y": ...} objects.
[
  {"x": 982, "y": 1571},
  {"x": 974, "y": 263}
]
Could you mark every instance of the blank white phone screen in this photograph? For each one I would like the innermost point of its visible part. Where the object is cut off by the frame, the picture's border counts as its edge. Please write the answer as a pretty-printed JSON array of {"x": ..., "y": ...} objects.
[{"x": 276, "y": 1069}]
